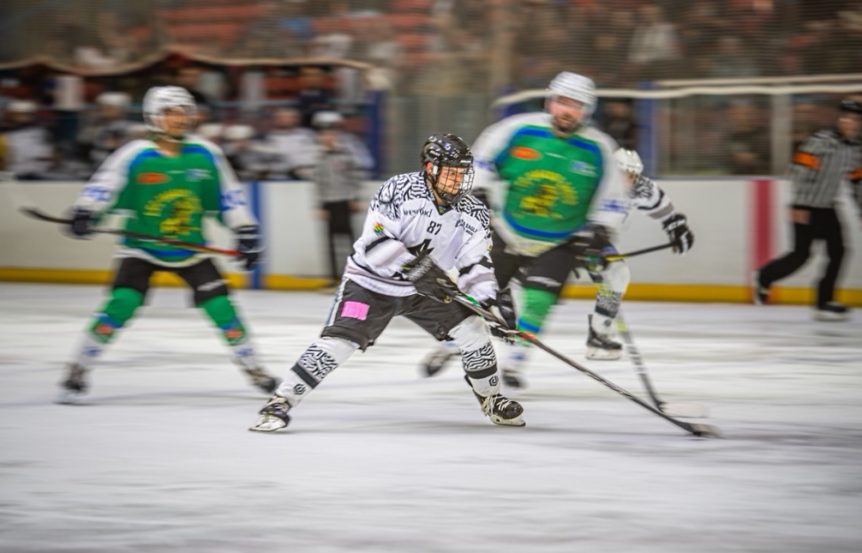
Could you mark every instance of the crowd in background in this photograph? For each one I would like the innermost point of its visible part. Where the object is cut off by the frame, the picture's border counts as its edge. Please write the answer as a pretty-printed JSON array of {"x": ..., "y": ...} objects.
[{"x": 439, "y": 48}]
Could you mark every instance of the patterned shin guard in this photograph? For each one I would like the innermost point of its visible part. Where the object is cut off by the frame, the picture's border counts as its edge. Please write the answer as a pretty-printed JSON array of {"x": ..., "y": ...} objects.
[
  {"x": 321, "y": 358},
  {"x": 477, "y": 355}
]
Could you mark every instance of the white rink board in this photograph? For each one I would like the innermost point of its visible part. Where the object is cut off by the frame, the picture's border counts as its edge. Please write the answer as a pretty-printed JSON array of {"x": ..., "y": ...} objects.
[{"x": 718, "y": 212}]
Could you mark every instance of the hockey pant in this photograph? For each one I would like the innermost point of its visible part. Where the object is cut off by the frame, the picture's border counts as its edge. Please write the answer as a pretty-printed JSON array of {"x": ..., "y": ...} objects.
[{"x": 131, "y": 284}]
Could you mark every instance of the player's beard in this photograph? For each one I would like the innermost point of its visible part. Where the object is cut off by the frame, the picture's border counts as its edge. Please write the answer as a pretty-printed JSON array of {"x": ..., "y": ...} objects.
[{"x": 565, "y": 125}]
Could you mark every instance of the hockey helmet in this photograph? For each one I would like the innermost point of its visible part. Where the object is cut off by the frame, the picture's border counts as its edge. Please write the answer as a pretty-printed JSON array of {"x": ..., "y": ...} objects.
[
  {"x": 160, "y": 98},
  {"x": 851, "y": 105},
  {"x": 577, "y": 87},
  {"x": 448, "y": 150}
]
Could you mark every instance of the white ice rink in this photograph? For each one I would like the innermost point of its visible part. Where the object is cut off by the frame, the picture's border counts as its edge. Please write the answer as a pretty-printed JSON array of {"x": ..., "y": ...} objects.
[{"x": 377, "y": 459}]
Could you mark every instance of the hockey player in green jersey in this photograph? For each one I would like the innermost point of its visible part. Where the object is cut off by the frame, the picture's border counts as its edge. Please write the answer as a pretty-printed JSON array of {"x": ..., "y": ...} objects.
[
  {"x": 166, "y": 186},
  {"x": 556, "y": 196}
]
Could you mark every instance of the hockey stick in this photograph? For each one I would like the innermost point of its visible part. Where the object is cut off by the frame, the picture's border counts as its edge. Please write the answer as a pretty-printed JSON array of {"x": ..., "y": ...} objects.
[
  {"x": 697, "y": 429},
  {"x": 618, "y": 256},
  {"x": 36, "y": 214},
  {"x": 694, "y": 410}
]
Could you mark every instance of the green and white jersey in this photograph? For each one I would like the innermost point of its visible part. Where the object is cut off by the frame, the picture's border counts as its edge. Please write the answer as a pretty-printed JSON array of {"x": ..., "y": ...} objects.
[
  {"x": 167, "y": 196},
  {"x": 543, "y": 188}
]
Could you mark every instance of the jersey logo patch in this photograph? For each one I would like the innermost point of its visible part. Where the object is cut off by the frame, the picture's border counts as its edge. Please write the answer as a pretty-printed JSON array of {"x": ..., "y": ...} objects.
[
  {"x": 152, "y": 177},
  {"x": 583, "y": 168},
  {"x": 523, "y": 152}
]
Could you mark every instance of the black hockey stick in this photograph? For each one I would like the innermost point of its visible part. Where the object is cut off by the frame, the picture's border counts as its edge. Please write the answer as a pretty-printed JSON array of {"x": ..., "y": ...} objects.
[
  {"x": 697, "y": 429},
  {"x": 675, "y": 409},
  {"x": 618, "y": 256},
  {"x": 36, "y": 214}
]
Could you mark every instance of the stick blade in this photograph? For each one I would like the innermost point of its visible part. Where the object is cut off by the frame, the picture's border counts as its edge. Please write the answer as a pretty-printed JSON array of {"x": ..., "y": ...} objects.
[
  {"x": 685, "y": 410},
  {"x": 702, "y": 430}
]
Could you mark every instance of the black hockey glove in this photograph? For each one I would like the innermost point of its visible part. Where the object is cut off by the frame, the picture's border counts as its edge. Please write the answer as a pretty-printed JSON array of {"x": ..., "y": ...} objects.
[
  {"x": 430, "y": 280},
  {"x": 81, "y": 223},
  {"x": 249, "y": 245},
  {"x": 503, "y": 307},
  {"x": 676, "y": 227},
  {"x": 587, "y": 245}
]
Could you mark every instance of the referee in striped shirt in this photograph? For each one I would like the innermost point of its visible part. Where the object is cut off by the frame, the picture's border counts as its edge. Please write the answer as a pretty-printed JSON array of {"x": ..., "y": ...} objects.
[{"x": 821, "y": 164}]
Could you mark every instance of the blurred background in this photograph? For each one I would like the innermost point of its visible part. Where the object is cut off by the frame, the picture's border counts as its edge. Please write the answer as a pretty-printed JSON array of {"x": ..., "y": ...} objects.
[
  {"x": 701, "y": 89},
  {"x": 398, "y": 70}
]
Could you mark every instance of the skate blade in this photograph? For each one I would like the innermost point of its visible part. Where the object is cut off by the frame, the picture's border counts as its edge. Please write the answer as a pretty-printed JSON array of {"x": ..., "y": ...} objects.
[
  {"x": 517, "y": 421},
  {"x": 597, "y": 354},
  {"x": 268, "y": 423},
  {"x": 68, "y": 397},
  {"x": 831, "y": 317}
]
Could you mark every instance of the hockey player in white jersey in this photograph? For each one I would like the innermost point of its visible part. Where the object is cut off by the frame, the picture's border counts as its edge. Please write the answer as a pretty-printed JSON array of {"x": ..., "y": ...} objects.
[
  {"x": 419, "y": 226},
  {"x": 613, "y": 279}
]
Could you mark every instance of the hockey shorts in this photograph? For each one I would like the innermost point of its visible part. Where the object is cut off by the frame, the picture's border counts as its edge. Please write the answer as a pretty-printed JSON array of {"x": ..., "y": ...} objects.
[{"x": 360, "y": 315}]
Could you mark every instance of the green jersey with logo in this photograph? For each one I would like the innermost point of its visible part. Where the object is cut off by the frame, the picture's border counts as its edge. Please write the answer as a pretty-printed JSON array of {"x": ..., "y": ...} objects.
[
  {"x": 167, "y": 196},
  {"x": 542, "y": 187}
]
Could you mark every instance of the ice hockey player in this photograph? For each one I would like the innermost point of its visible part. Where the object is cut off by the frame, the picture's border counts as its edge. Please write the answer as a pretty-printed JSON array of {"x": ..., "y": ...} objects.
[
  {"x": 613, "y": 279},
  {"x": 556, "y": 197},
  {"x": 419, "y": 226},
  {"x": 166, "y": 186}
]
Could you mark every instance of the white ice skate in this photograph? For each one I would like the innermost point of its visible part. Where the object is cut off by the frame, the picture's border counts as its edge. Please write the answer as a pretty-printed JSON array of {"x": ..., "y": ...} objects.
[
  {"x": 74, "y": 387},
  {"x": 600, "y": 346},
  {"x": 273, "y": 416}
]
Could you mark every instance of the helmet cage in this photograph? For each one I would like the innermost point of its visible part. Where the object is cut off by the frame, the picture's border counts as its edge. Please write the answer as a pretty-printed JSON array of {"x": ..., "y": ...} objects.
[{"x": 448, "y": 150}]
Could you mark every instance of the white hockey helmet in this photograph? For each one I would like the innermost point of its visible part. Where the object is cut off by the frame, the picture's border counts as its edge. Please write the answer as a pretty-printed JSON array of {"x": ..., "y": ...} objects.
[
  {"x": 577, "y": 87},
  {"x": 629, "y": 161},
  {"x": 159, "y": 98}
]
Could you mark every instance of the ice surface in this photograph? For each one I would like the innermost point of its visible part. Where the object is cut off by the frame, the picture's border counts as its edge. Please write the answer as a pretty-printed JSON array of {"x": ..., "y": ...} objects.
[{"x": 377, "y": 459}]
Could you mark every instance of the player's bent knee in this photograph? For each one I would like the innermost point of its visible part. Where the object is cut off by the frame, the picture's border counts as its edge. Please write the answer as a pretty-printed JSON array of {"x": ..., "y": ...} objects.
[
  {"x": 470, "y": 334},
  {"x": 123, "y": 304}
]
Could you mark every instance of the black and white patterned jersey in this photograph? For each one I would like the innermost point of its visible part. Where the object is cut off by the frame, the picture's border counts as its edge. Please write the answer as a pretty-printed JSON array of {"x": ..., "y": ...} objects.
[
  {"x": 648, "y": 197},
  {"x": 403, "y": 220}
]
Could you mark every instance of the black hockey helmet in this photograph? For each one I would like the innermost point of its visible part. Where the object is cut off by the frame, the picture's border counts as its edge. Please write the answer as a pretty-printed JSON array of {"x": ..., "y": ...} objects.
[{"x": 448, "y": 150}]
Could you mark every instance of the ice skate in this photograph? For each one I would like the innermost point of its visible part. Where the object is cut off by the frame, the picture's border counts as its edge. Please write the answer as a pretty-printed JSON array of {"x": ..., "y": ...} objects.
[
  {"x": 500, "y": 409},
  {"x": 600, "y": 346},
  {"x": 74, "y": 387},
  {"x": 436, "y": 360},
  {"x": 759, "y": 291},
  {"x": 832, "y": 311},
  {"x": 262, "y": 379},
  {"x": 273, "y": 416}
]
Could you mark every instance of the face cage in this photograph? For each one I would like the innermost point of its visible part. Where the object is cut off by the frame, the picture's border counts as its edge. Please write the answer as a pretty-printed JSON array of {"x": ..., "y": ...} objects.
[
  {"x": 156, "y": 124},
  {"x": 463, "y": 189}
]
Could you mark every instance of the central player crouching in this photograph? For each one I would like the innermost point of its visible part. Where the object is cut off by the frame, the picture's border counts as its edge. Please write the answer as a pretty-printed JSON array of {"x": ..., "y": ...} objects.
[{"x": 419, "y": 226}]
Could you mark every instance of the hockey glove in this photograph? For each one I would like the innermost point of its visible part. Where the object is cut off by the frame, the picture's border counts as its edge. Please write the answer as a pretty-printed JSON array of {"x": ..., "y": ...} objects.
[
  {"x": 81, "y": 223},
  {"x": 676, "y": 227},
  {"x": 587, "y": 245},
  {"x": 430, "y": 280},
  {"x": 249, "y": 245},
  {"x": 503, "y": 307}
]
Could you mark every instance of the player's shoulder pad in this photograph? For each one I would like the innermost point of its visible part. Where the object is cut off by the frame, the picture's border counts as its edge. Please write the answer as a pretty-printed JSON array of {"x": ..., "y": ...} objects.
[
  {"x": 399, "y": 188},
  {"x": 472, "y": 206},
  {"x": 603, "y": 138}
]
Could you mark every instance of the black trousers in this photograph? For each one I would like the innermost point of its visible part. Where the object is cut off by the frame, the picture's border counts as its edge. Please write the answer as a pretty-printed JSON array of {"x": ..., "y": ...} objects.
[
  {"x": 823, "y": 224},
  {"x": 338, "y": 223}
]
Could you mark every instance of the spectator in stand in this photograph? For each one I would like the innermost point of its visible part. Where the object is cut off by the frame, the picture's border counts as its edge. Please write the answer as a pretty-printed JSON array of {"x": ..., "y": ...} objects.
[
  {"x": 654, "y": 48},
  {"x": 291, "y": 145},
  {"x": 617, "y": 120},
  {"x": 338, "y": 176},
  {"x": 29, "y": 152},
  {"x": 107, "y": 129},
  {"x": 315, "y": 94},
  {"x": 747, "y": 139},
  {"x": 246, "y": 156}
]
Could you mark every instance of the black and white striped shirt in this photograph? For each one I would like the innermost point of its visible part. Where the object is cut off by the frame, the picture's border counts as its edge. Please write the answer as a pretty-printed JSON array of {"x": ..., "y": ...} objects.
[{"x": 821, "y": 164}]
